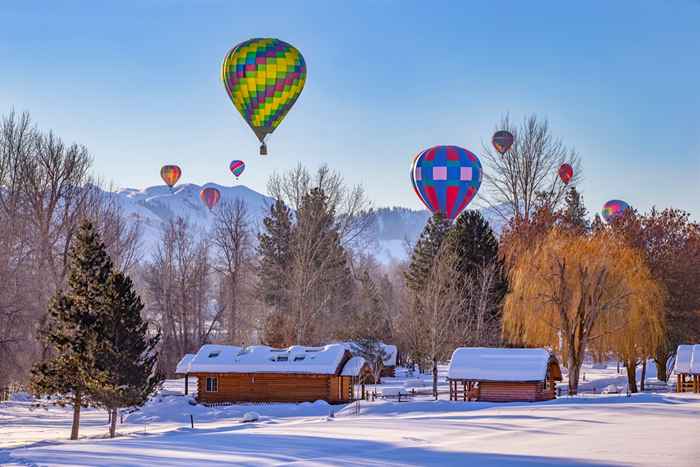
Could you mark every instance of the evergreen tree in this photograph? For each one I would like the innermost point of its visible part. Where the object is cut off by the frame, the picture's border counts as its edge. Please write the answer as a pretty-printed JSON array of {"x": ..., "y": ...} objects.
[
  {"x": 574, "y": 214},
  {"x": 425, "y": 251},
  {"x": 274, "y": 251},
  {"x": 475, "y": 246},
  {"x": 72, "y": 329},
  {"x": 126, "y": 350}
]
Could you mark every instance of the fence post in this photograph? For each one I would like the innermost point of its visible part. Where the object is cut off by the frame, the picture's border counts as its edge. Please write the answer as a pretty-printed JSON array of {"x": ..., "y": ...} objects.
[{"x": 192, "y": 421}]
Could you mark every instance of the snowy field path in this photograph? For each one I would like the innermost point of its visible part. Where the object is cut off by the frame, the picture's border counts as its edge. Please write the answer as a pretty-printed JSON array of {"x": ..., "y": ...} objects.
[{"x": 648, "y": 429}]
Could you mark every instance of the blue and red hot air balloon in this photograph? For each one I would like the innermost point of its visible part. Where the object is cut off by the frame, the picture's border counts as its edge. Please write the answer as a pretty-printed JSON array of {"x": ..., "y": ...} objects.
[
  {"x": 446, "y": 179},
  {"x": 614, "y": 209}
]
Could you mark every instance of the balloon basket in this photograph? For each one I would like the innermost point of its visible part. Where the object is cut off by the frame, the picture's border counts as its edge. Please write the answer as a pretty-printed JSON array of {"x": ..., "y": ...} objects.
[{"x": 263, "y": 150}]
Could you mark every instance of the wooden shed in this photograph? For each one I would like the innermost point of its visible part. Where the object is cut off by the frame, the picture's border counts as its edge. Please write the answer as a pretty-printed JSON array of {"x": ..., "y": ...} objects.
[
  {"x": 392, "y": 353},
  {"x": 183, "y": 369},
  {"x": 687, "y": 368},
  {"x": 227, "y": 374},
  {"x": 503, "y": 375}
]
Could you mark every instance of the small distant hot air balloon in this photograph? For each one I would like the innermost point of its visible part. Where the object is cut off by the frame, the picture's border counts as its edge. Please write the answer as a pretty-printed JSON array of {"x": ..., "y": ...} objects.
[
  {"x": 237, "y": 168},
  {"x": 614, "y": 209},
  {"x": 502, "y": 140},
  {"x": 210, "y": 197},
  {"x": 170, "y": 174},
  {"x": 263, "y": 78},
  {"x": 566, "y": 172},
  {"x": 446, "y": 179}
]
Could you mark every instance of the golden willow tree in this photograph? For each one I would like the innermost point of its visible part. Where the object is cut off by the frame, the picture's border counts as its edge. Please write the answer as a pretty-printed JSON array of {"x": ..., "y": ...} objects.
[{"x": 571, "y": 291}]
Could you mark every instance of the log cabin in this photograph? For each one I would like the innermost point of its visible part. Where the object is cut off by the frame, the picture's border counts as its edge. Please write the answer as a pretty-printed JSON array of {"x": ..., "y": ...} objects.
[
  {"x": 392, "y": 353},
  {"x": 687, "y": 368},
  {"x": 503, "y": 375},
  {"x": 228, "y": 374}
]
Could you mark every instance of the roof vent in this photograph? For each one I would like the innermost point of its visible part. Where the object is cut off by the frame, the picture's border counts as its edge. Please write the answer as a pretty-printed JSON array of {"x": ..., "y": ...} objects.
[{"x": 214, "y": 354}]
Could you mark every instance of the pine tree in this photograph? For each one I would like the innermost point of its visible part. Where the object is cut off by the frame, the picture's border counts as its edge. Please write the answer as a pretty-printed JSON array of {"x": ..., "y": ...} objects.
[
  {"x": 473, "y": 241},
  {"x": 574, "y": 214},
  {"x": 274, "y": 251},
  {"x": 475, "y": 247},
  {"x": 73, "y": 322},
  {"x": 126, "y": 350},
  {"x": 425, "y": 251},
  {"x": 274, "y": 245}
]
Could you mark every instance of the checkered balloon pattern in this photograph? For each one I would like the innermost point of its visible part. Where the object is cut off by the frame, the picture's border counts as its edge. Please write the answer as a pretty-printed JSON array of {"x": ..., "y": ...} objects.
[
  {"x": 263, "y": 78},
  {"x": 614, "y": 209},
  {"x": 446, "y": 179}
]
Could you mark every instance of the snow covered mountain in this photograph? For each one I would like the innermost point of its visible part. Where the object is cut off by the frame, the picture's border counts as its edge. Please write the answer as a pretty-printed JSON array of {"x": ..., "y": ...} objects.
[{"x": 392, "y": 232}]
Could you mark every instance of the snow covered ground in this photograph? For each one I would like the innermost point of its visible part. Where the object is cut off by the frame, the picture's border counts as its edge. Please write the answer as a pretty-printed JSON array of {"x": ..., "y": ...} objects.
[{"x": 660, "y": 429}]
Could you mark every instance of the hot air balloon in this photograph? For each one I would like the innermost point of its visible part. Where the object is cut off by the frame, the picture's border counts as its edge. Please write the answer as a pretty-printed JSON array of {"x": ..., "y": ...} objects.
[
  {"x": 263, "y": 78},
  {"x": 210, "y": 197},
  {"x": 565, "y": 173},
  {"x": 446, "y": 179},
  {"x": 237, "y": 168},
  {"x": 170, "y": 174},
  {"x": 413, "y": 181},
  {"x": 502, "y": 140},
  {"x": 614, "y": 209}
]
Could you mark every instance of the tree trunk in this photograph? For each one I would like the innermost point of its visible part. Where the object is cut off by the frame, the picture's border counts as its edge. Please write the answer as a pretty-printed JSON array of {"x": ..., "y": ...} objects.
[
  {"x": 75, "y": 428},
  {"x": 435, "y": 378},
  {"x": 661, "y": 369},
  {"x": 113, "y": 422},
  {"x": 574, "y": 367},
  {"x": 631, "y": 368},
  {"x": 644, "y": 375}
]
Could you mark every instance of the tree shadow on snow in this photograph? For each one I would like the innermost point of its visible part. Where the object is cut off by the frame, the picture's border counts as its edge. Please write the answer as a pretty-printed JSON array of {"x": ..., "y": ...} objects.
[{"x": 224, "y": 449}]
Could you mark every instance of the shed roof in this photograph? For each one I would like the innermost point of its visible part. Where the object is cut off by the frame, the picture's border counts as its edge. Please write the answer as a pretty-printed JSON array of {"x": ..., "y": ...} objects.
[
  {"x": 499, "y": 364},
  {"x": 353, "y": 367},
  {"x": 684, "y": 355},
  {"x": 184, "y": 364},
  {"x": 263, "y": 359},
  {"x": 695, "y": 360},
  {"x": 391, "y": 354}
]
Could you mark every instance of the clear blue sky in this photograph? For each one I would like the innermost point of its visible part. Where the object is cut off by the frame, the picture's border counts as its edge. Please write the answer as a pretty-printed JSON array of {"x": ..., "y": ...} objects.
[{"x": 138, "y": 83}]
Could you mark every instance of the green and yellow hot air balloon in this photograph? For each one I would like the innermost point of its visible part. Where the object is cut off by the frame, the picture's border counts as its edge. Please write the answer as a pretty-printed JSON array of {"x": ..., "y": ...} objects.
[{"x": 263, "y": 78}]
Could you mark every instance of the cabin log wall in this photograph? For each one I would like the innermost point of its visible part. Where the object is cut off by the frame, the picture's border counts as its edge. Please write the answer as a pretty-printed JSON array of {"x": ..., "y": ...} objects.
[{"x": 274, "y": 387}]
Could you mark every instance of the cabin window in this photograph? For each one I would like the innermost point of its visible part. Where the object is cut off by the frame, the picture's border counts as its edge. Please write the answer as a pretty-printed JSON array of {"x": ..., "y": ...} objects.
[
  {"x": 283, "y": 358},
  {"x": 214, "y": 354},
  {"x": 298, "y": 357},
  {"x": 212, "y": 384}
]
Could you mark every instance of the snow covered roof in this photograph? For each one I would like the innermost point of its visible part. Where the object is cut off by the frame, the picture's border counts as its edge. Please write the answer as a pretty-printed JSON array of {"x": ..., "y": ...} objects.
[
  {"x": 684, "y": 355},
  {"x": 184, "y": 364},
  {"x": 391, "y": 352},
  {"x": 353, "y": 367},
  {"x": 263, "y": 359},
  {"x": 499, "y": 364},
  {"x": 695, "y": 360},
  {"x": 213, "y": 358}
]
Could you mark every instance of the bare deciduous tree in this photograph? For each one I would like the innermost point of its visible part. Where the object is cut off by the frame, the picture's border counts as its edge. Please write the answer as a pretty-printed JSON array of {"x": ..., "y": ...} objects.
[
  {"x": 232, "y": 240},
  {"x": 528, "y": 171}
]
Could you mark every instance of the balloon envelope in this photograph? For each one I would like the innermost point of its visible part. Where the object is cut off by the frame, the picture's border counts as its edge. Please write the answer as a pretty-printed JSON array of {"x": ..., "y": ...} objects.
[
  {"x": 566, "y": 172},
  {"x": 237, "y": 168},
  {"x": 170, "y": 174},
  {"x": 502, "y": 140},
  {"x": 614, "y": 209},
  {"x": 446, "y": 179},
  {"x": 263, "y": 78},
  {"x": 210, "y": 197}
]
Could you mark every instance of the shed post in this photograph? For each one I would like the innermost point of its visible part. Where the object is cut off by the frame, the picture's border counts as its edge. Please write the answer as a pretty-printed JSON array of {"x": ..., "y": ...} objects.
[{"x": 186, "y": 383}]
